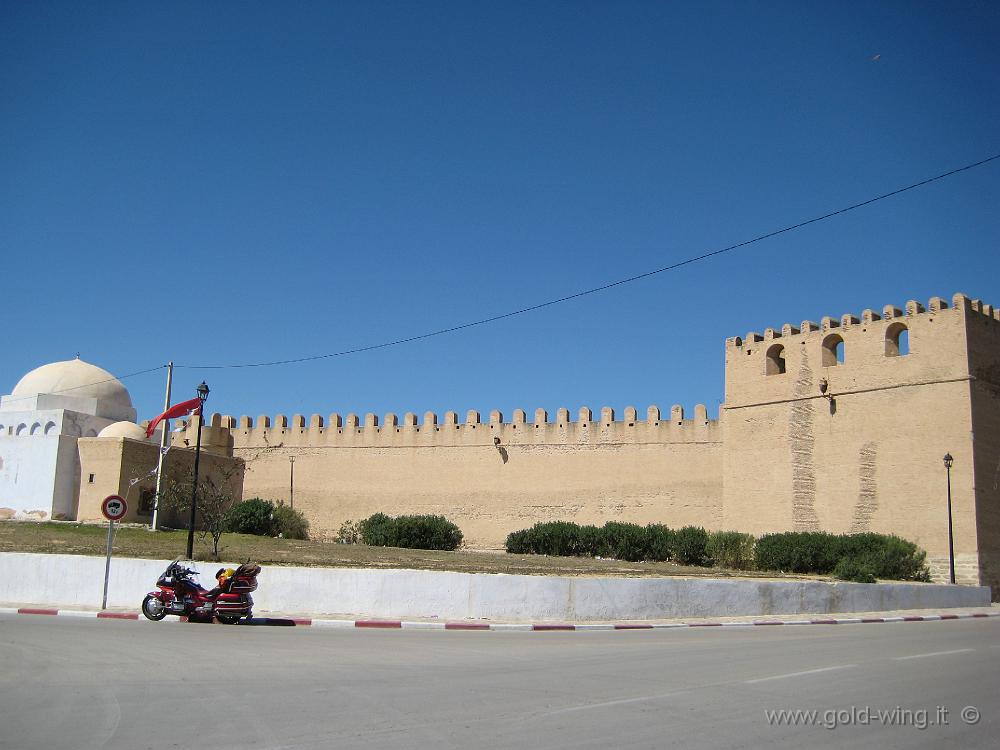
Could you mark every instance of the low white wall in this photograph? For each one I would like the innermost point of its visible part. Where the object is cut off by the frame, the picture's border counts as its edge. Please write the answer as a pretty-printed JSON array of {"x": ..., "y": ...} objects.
[{"x": 72, "y": 580}]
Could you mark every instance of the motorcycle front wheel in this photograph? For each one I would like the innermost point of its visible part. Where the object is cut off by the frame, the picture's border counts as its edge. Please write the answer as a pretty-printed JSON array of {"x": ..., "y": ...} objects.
[{"x": 153, "y": 608}]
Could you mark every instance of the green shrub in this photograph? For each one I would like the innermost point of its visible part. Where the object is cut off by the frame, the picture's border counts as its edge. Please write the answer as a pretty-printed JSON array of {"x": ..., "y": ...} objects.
[
  {"x": 798, "y": 552},
  {"x": 887, "y": 556},
  {"x": 289, "y": 523},
  {"x": 559, "y": 538},
  {"x": 660, "y": 542},
  {"x": 853, "y": 569},
  {"x": 427, "y": 532},
  {"x": 625, "y": 541},
  {"x": 253, "y": 516},
  {"x": 412, "y": 532},
  {"x": 378, "y": 530},
  {"x": 730, "y": 549},
  {"x": 518, "y": 542},
  {"x": 689, "y": 546}
]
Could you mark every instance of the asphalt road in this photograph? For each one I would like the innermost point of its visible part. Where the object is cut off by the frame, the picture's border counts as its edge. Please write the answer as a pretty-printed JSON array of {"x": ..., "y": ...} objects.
[{"x": 75, "y": 683}]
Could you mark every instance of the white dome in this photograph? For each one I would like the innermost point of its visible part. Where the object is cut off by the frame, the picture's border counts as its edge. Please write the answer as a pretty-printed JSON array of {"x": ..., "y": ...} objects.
[
  {"x": 75, "y": 378},
  {"x": 123, "y": 430}
]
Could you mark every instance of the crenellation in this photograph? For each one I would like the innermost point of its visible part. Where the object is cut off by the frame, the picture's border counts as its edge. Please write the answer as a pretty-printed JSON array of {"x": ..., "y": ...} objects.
[
  {"x": 264, "y": 422},
  {"x": 700, "y": 414},
  {"x": 631, "y": 416},
  {"x": 518, "y": 417},
  {"x": 789, "y": 330},
  {"x": 828, "y": 323},
  {"x": 371, "y": 420},
  {"x": 808, "y": 326},
  {"x": 914, "y": 308},
  {"x": 228, "y": 422},
  {"x": 607, "y": 415},
  {"x": 770, "y": 333},
  {"x": 451, "y": 419},
  {"x": 653, "y": 415},
  {"x": 496, "y": 417},
  {"x": 677, "y": 413},
  {"x": 298, "y": 422},
  {"x": 409, "y": 419},
  {"x": 734, "y": 341},
  {"x": 869, "y": 316},
  {"x": 246, "y": 423},
  {"x": 562, "y": 416},
  {"x": 937, "y": 304},
  {"x": 584, "y": 415},
  {"x": 988, "y": 311},
  {"x": 215, "y": 420},
  {"x": 430, "y": 419},
  {"x": 753, "y": 337},
  {"x": 315, "y": 422},
  {"x": 352, "y": 422},
  {"x": 335, "y": 421},
  {"x": 889, "y": 312},
  {"x": 960, "y": 301},
  {"x": 472, "y": 417},
  {"x": 281, "y": 421},
  {"x": 390, "y": 420},
  {"x": 848, "y": 319},
  {"x": 541, "y": 417}
]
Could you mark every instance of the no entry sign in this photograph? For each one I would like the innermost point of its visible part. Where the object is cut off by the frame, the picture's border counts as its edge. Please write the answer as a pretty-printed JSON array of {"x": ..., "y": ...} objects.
[{"x": 114, "y": 507}]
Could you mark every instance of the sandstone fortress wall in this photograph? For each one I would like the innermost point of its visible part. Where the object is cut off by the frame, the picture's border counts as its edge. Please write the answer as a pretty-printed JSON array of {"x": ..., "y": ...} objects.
[{"x": 804, "y": 441}]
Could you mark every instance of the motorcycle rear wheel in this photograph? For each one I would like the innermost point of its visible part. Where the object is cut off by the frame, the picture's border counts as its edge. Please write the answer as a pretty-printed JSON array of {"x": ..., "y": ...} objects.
[{"x": 153, "y": 608}]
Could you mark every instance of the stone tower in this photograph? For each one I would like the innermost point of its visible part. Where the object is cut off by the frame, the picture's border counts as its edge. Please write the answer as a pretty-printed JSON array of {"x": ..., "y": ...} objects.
[{"x": 841, "y": 426}]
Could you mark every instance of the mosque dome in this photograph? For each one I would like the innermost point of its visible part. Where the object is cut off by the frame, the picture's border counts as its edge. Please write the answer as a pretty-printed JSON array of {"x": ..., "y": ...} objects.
[
  {"x": 123, "y": 430},
  {"x": 77, "y": 379}
]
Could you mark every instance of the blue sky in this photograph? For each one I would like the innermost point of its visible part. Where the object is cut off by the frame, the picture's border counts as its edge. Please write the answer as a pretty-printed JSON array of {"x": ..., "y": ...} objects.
[{"x": 219, "y": 183}]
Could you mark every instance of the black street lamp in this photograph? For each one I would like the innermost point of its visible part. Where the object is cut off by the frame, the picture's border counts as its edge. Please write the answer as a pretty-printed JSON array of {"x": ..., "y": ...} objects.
[
  {"x": 291, "y": 482},
  {"x": 202, "y": 396},
  {"x": 948, "y": 460}
]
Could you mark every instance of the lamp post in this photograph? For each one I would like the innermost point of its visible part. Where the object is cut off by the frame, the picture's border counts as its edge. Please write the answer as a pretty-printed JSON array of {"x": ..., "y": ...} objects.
[
  {"x": 202, "y": 396},
  {"x": 291, "y": 482},
  {"x": 948, "y": 460}
]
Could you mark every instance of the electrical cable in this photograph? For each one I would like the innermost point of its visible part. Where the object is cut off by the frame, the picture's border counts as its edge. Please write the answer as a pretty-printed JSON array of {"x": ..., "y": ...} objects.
[{"x": 603, "y": 287}]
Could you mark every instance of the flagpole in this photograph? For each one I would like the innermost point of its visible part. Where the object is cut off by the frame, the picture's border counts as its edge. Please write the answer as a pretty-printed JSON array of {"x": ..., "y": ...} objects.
[{"x": 164, "y": 437}]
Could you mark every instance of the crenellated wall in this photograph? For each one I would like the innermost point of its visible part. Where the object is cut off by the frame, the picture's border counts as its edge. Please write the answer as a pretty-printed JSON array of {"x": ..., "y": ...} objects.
[
  {"x": 836, "y": 425},
  {"x": 490, "y": 476}
]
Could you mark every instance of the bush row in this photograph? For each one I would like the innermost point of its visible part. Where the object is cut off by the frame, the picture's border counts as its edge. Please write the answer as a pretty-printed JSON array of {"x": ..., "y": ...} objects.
[
  {"x": 265, "y": 518},
  {"x": 412, "y": 532},
  {"x": 691, "y": 545},
  {"x": 854, "y": 557}
]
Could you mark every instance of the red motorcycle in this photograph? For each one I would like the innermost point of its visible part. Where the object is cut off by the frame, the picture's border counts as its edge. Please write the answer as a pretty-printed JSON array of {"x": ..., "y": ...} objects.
[{"x": 178, "y": 593}]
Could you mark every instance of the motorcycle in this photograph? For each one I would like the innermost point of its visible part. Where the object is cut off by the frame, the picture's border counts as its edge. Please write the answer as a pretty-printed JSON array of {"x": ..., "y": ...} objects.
[{"x": 179, "y": 593}]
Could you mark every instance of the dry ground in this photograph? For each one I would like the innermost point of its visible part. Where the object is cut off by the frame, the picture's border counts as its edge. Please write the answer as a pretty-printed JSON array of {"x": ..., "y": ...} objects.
[{"x": 138, "y": 541}]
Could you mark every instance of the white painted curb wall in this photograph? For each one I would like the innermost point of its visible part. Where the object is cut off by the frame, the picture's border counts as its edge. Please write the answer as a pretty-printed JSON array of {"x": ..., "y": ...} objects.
[{"x": 73, "y": 580}]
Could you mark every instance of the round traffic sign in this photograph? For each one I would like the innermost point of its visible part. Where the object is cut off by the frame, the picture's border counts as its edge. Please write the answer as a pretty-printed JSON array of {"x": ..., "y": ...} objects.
[{"x": 114, "y": 507}]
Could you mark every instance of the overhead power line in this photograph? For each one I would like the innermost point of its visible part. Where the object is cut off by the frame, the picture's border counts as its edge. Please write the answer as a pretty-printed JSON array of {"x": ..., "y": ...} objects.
[
  {"x": 112, "y": 379},
  {"x": 603, "y": 287}
]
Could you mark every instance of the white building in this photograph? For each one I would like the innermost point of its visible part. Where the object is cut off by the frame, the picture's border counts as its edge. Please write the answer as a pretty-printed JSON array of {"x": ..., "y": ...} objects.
[{"x": 40, "y": 422}]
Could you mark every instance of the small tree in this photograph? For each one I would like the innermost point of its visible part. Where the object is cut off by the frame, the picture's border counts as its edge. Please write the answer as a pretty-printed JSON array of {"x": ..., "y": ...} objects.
[{"x": 213, "y": 500}]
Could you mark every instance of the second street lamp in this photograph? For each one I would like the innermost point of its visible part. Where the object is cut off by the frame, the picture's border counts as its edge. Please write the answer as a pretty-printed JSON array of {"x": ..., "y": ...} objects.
[
  {"x": 202, "y": 396},
  {"x": 948, "y": 460}
]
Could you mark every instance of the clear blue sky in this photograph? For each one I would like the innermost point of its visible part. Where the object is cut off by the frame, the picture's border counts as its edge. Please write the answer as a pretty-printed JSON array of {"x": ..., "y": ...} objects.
[{"x": 237, "y": 182}]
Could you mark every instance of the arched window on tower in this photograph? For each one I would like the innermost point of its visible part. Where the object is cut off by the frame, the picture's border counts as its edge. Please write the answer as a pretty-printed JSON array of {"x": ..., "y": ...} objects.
[
  {"x": 897, "y": 340},
  {"x": 774, "y": 364},
  {"x": 833, "y": 350}
]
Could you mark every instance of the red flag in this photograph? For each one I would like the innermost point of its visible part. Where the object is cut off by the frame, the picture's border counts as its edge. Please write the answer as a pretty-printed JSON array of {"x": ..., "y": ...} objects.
[{"x": 177, "y": 410}]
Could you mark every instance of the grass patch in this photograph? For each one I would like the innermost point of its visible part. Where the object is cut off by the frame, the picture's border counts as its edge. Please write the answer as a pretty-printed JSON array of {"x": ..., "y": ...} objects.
[{"x": 136, "y": 541}]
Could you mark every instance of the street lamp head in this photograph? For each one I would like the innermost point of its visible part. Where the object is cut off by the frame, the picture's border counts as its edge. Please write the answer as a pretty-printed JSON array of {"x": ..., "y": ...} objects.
[
  {"x": 948, "y": 460},
  {"x": 202, "y": 391}
]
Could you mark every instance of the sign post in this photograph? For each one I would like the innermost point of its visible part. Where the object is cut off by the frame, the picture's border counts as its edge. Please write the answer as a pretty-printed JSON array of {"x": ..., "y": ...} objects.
[{"x": 114, "y": 508}]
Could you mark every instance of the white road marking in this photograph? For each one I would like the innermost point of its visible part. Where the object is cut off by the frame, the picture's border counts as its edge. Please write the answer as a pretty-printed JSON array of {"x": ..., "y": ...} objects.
[
  {"x": 934, "y": 653},
  {"x": 799, "y": 674}
]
